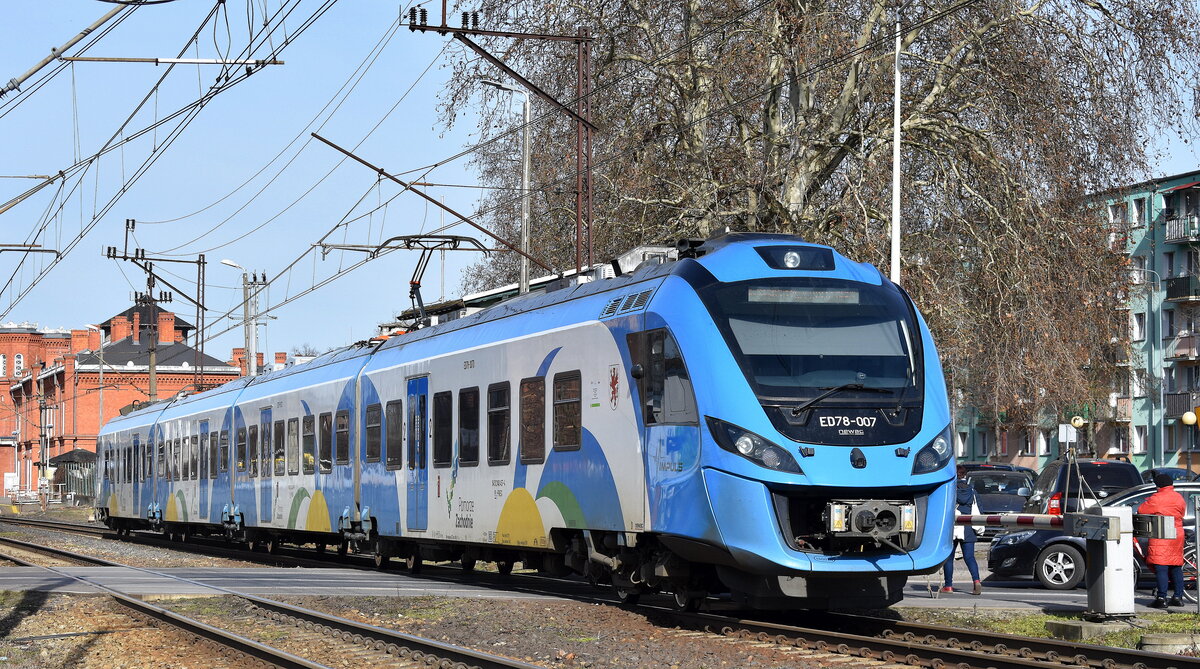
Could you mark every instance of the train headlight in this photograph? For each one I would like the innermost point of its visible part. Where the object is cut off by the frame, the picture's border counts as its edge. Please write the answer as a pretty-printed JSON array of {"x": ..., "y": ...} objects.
[
  {"x": 791, "y": 260},
  {"x": 935, "y": 455},
  {"x": 752, "y": 447}
]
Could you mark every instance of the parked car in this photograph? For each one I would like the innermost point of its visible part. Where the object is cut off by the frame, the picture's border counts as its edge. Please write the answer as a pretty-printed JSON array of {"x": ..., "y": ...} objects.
[
  {"x": 1063, "y": 484},
  {"x": 999, "y": 491},
  {"x": 1057, "y": 560},
  {"x": 984, "y": 466},
  {"x": 1177, "y": 474}
]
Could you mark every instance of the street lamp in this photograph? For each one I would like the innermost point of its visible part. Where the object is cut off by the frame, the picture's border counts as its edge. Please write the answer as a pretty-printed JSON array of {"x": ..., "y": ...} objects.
[
  {"x": 249, "y": 323},
  {"x": 523, "y": 282}
]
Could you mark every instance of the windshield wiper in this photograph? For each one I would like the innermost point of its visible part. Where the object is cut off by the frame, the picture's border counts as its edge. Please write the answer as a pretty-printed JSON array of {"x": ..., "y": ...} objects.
[{"x": 837, "y": 389}]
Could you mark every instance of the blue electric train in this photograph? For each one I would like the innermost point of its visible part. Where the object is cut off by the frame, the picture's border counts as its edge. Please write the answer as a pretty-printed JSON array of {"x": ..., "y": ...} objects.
[{"x": 759, "y": 416}]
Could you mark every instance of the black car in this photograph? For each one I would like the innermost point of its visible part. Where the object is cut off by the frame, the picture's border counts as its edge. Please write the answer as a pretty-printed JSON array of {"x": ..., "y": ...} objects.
[
  {"x": 999, "y": 491},
  {"x": 1057, "y": 560},
  {"x": 1176, "y": 474},
  {"x": 1062, "y": 484},
  {"x": 991, "y": 466}
]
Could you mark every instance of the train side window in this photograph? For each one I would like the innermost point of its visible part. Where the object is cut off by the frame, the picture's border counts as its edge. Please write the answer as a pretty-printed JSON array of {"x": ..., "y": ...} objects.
[
  {"x": 499, "y": 425},
  {"x": 293, "y": 446},
  {"x": 468, "y": 427},
  {"x": 204, "y": 449},
  {"x": 240, "y": 450},
  {"x": 213, "y": 451},
  {"x": 568, "y": 411},
  {"x": 533, "y": 420},
  {"x": 279, "y": 452},
  {"x": 253, "y": 438},
  {"x": 196, "y": 456},
  {"x": 341, "y": 452},
  {"x": 325, "y": 445},
  {"x": 443, "y": 429},
  {"x": 186, "y": 457},
  {"x": 393, "y": 417},
  {"x": 223, "y": 461},
  {"x": 161, "y": 448},
  {"x": 264, "y": 439},
  {"x": 374, "y": 425},
  {"x": 309, "y": 434}
]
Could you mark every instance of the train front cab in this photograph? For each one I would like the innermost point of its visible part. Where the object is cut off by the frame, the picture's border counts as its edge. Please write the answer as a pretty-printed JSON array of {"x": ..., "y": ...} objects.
[{"x": 724, "y": 450}]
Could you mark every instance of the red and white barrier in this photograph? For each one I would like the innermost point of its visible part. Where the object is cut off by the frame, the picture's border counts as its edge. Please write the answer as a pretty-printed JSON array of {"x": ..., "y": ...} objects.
[{"x": 1033, "y": 521}]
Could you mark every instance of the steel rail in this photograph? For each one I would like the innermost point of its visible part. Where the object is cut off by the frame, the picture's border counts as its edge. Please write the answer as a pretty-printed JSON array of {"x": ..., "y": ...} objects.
[
  {"x": 925, "y": 651},
  {"x": 358, "y": 631}
]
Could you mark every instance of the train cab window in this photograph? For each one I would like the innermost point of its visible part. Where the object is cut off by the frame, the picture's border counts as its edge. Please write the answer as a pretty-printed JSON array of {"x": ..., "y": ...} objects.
[
  {"x": 468, "y": 427},
  {"x": 533, "y": 420},
  {"x": 293, "y": 446},
  {"x": 393, "y": 418},
  {"x": 374, "y": 425},
  {"x": 499, "y": 423},
  {"x": 568, "y": 411},
  {"x": 240, "y": 449},
  {"x": 308, "y": 434},
  {"x": 213, "y": 448},
  {"x": 443, "y": 426},
  {"x": 665, "y": 388},
  {"x": 341, "y": 453},
  {"x": 223, "y": 456},
  {"x": 280, "y": 461},
  {"x": 252, "y": 437},
  {"x": 325, "y": 442}
]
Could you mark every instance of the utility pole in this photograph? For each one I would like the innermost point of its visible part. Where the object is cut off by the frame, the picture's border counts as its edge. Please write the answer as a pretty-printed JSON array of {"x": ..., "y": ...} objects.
[
  {"x": 523, "y": 275},
  {"x": 895, "y": 231},
  {"x": 252, "y": 285},
  {"x": 418, "y": 19}
]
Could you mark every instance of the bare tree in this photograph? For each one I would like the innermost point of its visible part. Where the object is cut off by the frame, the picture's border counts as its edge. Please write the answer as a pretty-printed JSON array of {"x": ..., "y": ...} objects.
[{"x": 776, "y": 117}]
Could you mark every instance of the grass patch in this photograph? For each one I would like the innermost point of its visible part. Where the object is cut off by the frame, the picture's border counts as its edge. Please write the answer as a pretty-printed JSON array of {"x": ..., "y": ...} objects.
[
  {"x": 272, "y": 634},
  {"x": 582, "y": 639},
  {"x": 200, "y": 606},
  {"x": 1034, "y": 624}
]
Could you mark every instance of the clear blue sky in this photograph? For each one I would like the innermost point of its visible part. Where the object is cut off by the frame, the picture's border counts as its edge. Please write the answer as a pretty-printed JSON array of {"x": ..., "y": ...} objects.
[{"x": 194, "y": 185}]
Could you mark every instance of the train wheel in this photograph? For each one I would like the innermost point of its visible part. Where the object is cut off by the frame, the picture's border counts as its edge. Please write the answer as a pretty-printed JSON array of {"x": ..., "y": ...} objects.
[
  {"x": 273, "y": 545},
  {"x": 504, "y": 567},
  {"x": 688, "y": 601},
  {"x": 185, "y": 534},
  {"x": 413, "y": 560},
  {"x": 253, "y": 545},
  {"x": 380, "y": 554},
  {"x": 628, "y": 596},
  {"x": 468, "y": 565}
]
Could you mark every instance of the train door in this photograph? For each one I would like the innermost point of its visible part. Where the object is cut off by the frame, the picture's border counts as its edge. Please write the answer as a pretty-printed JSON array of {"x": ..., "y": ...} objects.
[{"x": 418, "y": 472}]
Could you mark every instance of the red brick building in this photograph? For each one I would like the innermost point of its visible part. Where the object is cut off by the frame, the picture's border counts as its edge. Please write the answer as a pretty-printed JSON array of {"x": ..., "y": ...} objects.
[{"x": 64, "y": 385}]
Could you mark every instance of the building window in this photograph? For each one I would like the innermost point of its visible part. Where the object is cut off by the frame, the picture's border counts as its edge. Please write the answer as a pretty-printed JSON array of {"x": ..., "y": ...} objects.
[
  {"x": 468, "y": 426},
  {"x": 498, "y": 423},
  {"x": 374, "y": 426},
  {"x": 18, "y": 364},
  {"x": 1139, "y": 211},
  {"x": 983, "y": 445},
  {"x": 3, "y": 365},
  {"x": 961, "y": 440},
  {"x": 568, "y": 411},
  {"x": 1120, "y": 441},
  {"x": 1168, "y": 324},
  {"x": 1043, "y": 442},
  {"x": 443, "y": 426},
  {"x": 1139, "y": 327},
  {"x": 533, "y": 420},
  {"x": 1025, "y": 445},
  {"x": 1139, "y": 439}
]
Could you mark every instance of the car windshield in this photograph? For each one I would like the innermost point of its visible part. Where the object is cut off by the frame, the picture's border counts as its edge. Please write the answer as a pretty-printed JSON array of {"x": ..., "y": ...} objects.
[
  {"x": 1102, "y": 476},
  {"x": 797, "y": 337},
  {"x": 998, "y": 483}
]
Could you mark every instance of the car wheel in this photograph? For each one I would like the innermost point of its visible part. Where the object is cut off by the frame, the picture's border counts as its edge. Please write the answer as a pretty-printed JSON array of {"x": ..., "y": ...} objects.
[{"x": 1059, "y": 567}]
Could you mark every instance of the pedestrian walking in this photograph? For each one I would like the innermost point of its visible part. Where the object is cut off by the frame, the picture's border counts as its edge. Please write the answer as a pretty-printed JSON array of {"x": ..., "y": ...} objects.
[
  {"x": 1166, "y": 555},
  {"x": 964, "y": 535}
]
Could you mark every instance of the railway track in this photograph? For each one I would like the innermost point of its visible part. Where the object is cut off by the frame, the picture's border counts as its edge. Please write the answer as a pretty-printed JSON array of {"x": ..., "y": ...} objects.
[
  {"x": 881, "y": 639},
  {"x": 367, "y": 644}
]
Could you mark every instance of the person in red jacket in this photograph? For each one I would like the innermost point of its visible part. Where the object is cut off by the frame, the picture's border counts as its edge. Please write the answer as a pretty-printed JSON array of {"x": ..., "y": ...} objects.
[{"x": 1166, "y": 555}]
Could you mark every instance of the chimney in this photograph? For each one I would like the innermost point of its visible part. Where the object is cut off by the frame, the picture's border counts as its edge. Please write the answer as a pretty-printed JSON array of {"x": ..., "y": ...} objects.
[
  {"x": 94, "y": 339},
  {"x": 79, "y": 340},
  {"x": 280, "y": 358},
  {"x": 166, "y": 327},
  {"x": 259, "y": 355},
  {"x": 137, "y": 326},
  {"x": 119, "y": 328},
  {"x": 238, "y": 359}
]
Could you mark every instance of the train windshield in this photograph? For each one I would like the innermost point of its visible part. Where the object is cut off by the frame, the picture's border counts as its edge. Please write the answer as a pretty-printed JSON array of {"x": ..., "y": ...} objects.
[{"x": 796, "y": 338}]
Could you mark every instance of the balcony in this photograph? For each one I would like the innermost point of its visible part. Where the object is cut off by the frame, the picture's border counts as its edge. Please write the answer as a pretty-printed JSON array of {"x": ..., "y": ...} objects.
[
  {"x": 1183, "y": 229},
  {"x": 1118, "y": 411},
  {"x": 1180, "y": 403},
  {"x": 1183, "y": 289},
  {"x": 1184, "y": 348}
]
